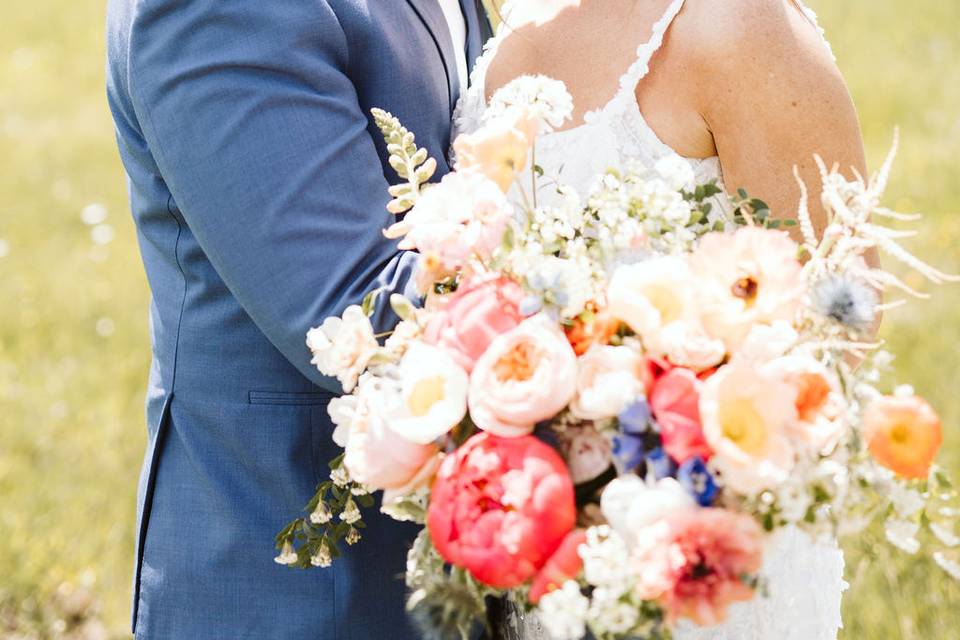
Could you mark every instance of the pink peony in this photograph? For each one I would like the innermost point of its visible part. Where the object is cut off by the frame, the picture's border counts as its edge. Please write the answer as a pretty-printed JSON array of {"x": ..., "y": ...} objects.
[
  {"x": 500, "y": 508},
  {"x": 674, "y": 400},
  {"x": 563, "y": 565},
  {"x": 471, "y": 318},
  {"x": 695, "y": 563}
]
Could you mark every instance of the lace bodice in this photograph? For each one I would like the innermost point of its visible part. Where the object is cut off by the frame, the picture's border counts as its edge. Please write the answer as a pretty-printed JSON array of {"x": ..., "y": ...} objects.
[{"x": 805, "y": 578}]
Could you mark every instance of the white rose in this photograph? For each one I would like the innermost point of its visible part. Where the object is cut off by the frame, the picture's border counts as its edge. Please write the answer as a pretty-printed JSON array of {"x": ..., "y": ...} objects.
[
  {"x": 629, "y": 504},
  {"x": 608, "y": 379},
  {"x": 342, "y": 347}
]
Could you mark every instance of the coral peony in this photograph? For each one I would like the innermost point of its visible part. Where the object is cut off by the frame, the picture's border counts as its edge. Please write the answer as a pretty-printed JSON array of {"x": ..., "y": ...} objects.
[
  {"x": 565, "y": 564},
  {"x": 696, "y": 563},
  {"x": 472, "y": 317},
  {"x": 903, "y": 433},
  {"x": 674, "y": 399},
  {"x": 500, "y": 508},
  {"x": 526, "y": 376},
  {"x": 748, "y": 278}
]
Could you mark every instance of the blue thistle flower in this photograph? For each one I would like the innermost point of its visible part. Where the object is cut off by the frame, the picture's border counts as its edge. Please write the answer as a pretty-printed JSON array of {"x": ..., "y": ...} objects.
[{"x": 851, "y": 302}]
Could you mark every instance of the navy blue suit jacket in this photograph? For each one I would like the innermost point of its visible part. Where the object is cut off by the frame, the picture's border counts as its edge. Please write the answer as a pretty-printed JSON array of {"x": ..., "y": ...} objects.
[{"x": 258, "y": 184}]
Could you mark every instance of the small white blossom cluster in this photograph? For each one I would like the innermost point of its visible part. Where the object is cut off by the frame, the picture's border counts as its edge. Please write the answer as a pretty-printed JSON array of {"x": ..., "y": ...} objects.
[
  {"x": 539, "y": 96},
  {"x": 564, "y": 612},
  {"x": 612, "y": 607}
]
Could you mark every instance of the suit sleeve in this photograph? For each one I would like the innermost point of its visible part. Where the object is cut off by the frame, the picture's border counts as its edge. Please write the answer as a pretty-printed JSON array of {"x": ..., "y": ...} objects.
[{"x": 258, "y": 132}]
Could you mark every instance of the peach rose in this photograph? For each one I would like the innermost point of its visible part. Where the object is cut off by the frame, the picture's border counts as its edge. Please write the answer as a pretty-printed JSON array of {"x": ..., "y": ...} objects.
[
  {"x": 903, "y": 434},
  {"x": 526, "y": 375},
  {"x": 472, "y": 317}
]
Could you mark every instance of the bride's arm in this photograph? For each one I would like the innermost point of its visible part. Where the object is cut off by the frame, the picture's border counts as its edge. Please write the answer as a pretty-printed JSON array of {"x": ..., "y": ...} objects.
[{"x": 773, "y": 97}]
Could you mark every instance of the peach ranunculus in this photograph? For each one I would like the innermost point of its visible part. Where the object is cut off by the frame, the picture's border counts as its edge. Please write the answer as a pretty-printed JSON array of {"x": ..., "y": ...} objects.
[
  {"x": 498, "y": 150},
  {"x": 377, "y": 455},
  {"x": 748, "y": 278},
  {"x": 472, "y": 317},
  {"x": 565, "y": 564},
  {"x": 903, "y": 434},
  {"x": 599, "y": 328},
  {"x": 694, "y": 563},
  {"x": 501, "y": 507},
  {"x": 608, "y": 379},
  {"x": 746, "y": 413},
  {"x": 526, "y": 376}
]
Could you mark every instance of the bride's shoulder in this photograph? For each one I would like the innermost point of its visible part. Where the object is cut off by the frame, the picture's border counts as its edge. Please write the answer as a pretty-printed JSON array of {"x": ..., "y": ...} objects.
[
  {"x": 763, "y": 33},
  {"x": 727, "y": 38}
]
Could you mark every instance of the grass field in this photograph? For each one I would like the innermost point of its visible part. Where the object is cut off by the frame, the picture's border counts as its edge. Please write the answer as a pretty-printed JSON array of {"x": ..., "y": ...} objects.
[{"x": 73, "y": 305}]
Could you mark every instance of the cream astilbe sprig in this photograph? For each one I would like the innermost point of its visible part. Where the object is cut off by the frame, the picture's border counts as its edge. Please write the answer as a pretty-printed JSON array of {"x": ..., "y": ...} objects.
[
  {"x": 853, "y": 208},
  {"x": 411, "y": 162}
]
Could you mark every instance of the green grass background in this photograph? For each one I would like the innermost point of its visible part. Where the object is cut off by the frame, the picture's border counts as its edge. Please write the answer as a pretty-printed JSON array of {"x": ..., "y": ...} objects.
[{"x": 74, "y": 347}]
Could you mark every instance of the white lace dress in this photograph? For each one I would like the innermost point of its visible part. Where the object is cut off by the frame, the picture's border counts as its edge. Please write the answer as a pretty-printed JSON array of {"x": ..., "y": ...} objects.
[{"x": 805, "y": 577}]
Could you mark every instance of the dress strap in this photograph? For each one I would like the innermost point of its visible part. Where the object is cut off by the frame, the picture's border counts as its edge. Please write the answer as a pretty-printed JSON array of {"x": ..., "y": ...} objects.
[
  {"x": 645, "y": 52},
  {"x": 812, "y": 17}
]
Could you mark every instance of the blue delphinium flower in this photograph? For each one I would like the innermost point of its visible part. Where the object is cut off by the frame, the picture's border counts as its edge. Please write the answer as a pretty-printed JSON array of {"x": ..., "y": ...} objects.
[
  {"x": 630, "y": 445},
  {"x": 660, "y": 464},
  {"x": 698, "y": 481},
  {"x": 851, "y": 302}
]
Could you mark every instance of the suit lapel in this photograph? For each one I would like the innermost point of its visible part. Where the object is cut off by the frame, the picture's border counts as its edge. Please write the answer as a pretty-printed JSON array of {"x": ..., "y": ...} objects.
[
  {"x": 433, "y": 19},
  {"x": 478, "y": 29}
]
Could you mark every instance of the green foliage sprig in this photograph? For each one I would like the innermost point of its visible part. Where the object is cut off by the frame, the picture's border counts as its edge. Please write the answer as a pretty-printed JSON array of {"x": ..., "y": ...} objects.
[{"x": 333, "y": 517}]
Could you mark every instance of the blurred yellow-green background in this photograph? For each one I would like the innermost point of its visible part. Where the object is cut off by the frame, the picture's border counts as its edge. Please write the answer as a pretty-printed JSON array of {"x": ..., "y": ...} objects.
[{"x": 73, "y": 311}]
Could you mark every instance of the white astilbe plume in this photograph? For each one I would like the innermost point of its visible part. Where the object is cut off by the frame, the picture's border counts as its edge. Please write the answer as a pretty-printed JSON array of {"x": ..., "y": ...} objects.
[{"x": 852, "y": 209}]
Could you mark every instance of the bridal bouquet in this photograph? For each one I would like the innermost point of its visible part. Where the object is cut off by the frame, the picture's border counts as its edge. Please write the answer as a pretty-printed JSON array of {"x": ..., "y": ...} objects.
[{"x": 609, "y": 401}]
